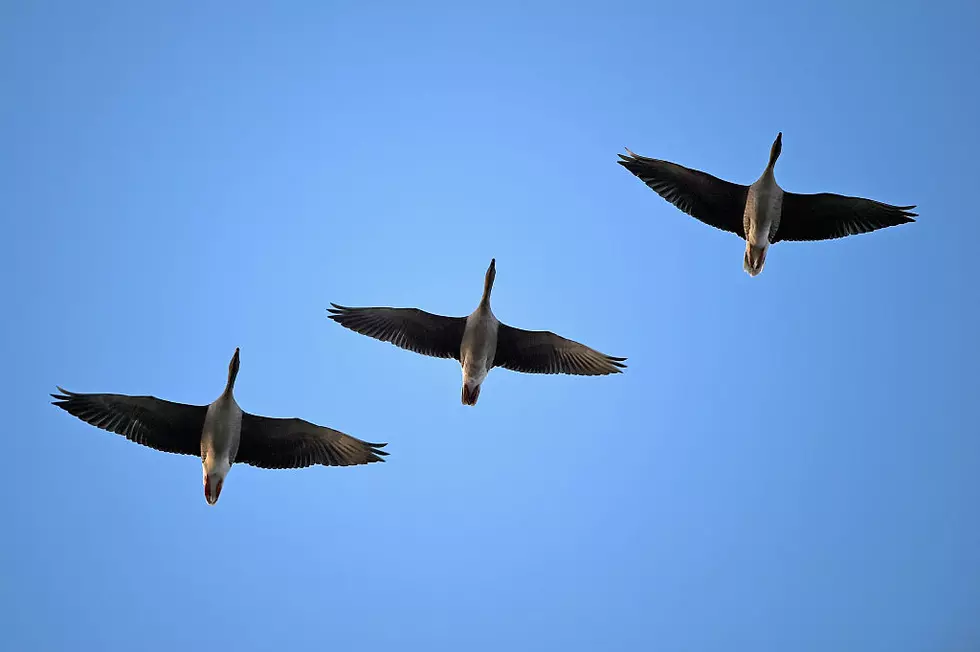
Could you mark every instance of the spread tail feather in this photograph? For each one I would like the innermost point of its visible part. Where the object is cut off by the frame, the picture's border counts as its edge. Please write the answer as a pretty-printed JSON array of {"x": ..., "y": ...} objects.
[
  {"x": 470, "y": 395},
  {"x": 754, "y": 260}
]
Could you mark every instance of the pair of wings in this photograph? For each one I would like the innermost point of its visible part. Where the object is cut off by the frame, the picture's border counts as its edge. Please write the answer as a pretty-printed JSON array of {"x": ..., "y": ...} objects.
[
  {"x": 721, "y": 204},
  {"x": 536, "y": 352},
  {"x": 170, "y": 427}
]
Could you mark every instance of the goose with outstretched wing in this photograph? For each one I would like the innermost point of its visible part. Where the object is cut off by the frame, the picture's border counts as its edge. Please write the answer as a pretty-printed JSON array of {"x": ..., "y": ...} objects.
[
  {"x": 762, "y": 213},
  {"x": 221, "y": 433},
  {"x": 478, "y": 342}
]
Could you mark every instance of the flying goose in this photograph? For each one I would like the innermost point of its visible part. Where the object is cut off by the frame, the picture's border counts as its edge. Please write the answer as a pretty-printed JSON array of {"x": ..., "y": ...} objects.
[
  {"x": 763, "y": 214},
  {"x": 221, "y": 433},
  {"x": 479, "y": 342}
]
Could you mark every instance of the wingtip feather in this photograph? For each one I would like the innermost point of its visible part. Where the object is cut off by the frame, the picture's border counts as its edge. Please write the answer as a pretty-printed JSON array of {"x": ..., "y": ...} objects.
[
  {"x": 617, "y": 363},
  {"x": 378, "y": 455},
  {"x": 65, "y": 395}
]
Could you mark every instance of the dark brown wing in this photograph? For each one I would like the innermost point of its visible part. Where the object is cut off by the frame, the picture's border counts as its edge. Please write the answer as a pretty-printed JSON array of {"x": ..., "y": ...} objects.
[
  {"x": 272, "y": 443},
  {"x": 161, "y": 425},
  {"x": 826, "y": 216},
  {"x": 714, "y": 201},
  {"x": 408, "y": 328},
  {"x": 543, "y": 352}
]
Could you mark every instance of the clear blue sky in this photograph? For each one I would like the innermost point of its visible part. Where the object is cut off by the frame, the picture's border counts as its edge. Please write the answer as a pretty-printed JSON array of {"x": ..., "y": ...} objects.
[{"x": 791, "y": 462}]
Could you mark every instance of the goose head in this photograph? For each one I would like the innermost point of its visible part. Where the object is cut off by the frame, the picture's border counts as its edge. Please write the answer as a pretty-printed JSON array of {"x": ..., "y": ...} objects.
[
  {"x": 777, "y": 148},
  {"x": 488, "y": 281},
  {"x": 233, "y": 371}
]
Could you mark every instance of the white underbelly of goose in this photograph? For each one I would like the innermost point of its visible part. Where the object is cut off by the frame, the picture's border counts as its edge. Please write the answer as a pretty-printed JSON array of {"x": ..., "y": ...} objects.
[
  {"x": 219, "y": 444},
  {"x": 476, "y": 353}
]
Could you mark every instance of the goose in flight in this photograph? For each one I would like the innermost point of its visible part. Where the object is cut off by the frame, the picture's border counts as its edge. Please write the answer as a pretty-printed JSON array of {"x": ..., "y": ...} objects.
[
  {"x": 478, "y": 342},
  {"x": 762, "y": 213},
  {"x": 221, "y": 433}
]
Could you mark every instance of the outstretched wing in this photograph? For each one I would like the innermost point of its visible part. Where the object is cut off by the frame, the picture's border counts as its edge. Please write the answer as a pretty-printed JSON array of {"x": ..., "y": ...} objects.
[
  {"x": 147, "y": 420},
  {"x": 826, "y": 216},
  {"x": 714, "y": 201},
  {"x": 408, "y": 328},
  {"x": 543, "y": 352},
  {"x": 273, "y": 443}
]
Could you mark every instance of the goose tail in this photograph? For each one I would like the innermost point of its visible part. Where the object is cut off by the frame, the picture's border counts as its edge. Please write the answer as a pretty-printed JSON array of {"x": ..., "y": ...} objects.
[
  {"x": 754, "y": 260},
  {"x": 470, "y": 394}
]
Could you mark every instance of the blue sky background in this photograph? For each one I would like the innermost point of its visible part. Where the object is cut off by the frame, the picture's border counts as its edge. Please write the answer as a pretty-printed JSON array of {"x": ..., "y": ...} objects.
[{"x": 791, "y": 462}]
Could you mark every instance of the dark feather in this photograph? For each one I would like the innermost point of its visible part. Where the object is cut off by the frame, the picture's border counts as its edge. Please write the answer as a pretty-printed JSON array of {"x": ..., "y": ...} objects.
[
  {"x": 714, "y": 201},
  {"x": 274, "y": 443},
  {"x": 543, "y": 352},
  {"x": 147, "y": 420},
  {"x": 826, "y": 216},
  {"x": 407, "y": 328}
]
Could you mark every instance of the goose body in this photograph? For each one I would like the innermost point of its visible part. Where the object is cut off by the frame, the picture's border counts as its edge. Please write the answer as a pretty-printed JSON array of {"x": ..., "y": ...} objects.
[
  {"x": 220, "y": 437},
  {"x": 479, "y": 342},
  {"x": 221, "y": 433},
  {"x": 763, "y": 213},
  {"x": 760, "y": 219},
  {"x": 476, "y": 351}
]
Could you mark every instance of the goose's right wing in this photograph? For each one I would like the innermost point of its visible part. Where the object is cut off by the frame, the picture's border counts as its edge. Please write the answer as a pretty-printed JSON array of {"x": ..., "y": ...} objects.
[
  {"x": 161, "y": 425},
  {"x": 408, "y": 328},
  {"x": 714, "y": 201}
]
